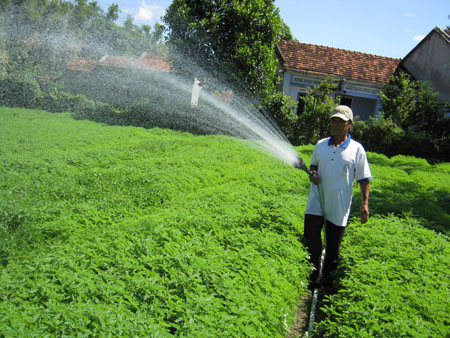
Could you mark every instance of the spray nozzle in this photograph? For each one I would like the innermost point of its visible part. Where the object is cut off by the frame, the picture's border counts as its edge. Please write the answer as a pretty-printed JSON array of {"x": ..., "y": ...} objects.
[{"x": 300, "y": 164}]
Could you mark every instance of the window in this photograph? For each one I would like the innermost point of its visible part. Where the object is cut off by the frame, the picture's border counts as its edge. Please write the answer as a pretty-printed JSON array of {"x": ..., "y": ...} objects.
[
  {"x": 346, "y": 101},
  {"x": 300, "y": 103}
]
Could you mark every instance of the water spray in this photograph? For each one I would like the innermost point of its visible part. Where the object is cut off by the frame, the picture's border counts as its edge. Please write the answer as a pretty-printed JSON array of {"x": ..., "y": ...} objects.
[{"x": 300, "y": 164}]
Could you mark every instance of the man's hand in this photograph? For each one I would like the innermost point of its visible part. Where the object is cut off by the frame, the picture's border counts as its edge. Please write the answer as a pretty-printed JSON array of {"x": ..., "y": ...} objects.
[
  {"x": 364, "y": 213},
  {"x": 314, "y": 178}
]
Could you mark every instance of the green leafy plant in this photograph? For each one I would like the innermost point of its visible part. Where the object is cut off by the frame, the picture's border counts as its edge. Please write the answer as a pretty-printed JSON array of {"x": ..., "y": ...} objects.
[
  {"x": 394, "y": 282},
  {"x": 133, "y": 232},
  {"x": 109, "y": 230}
]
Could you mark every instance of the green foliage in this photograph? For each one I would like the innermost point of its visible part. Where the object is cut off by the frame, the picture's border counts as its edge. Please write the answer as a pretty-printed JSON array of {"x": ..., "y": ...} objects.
[
  {"x": 282, "y": 109},
  {"x": 236, "y": 37},
  {"x": 113, "y": 12},
  {"x": 43, "y": 34},
  {"x": 61, "y": 101},
  {"x": 379, "y": 135},
  {"x": 109, "y": 231},
  {"x": 411, "y": 104},
  {"x": 382, "y": 135},
  {"x": 19, "y": 89},
  {"x": 122, "y": 231},
  {"x": 398, "y": 99},
  {"x": 410, "y": 109},
  {"x": 394, "y": 282},
  {"x": 409, "y": 184},
  {"x": 314, "y": 123}
]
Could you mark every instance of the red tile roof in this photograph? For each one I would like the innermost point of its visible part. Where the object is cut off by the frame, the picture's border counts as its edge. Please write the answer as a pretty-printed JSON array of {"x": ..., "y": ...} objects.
[
  {"x": 82, "y": 65},
  {"x": 330, "y": 61},
  {"x": 156, "y": 61},
  {"x": 146, "y": 63},
  {"x": 150, "y": 62}
]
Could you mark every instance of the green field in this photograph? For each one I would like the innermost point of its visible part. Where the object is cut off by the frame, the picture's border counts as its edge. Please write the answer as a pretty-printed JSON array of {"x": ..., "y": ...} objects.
[{"x": 127, "y": 232}]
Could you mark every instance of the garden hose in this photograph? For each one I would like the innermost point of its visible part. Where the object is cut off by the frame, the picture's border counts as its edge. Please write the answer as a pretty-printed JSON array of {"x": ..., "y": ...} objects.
[
  {"x": 315, "y": 298},
  {"x": 312, "y": 315}
]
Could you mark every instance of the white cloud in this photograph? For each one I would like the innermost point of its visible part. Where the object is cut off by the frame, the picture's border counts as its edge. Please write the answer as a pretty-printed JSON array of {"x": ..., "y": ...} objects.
[
  {"x": 410, "y": 14},
  {"x": 418, "y": 37},
  {"x": 128, "y": 10},
  {"x": 149, "y": 12}
]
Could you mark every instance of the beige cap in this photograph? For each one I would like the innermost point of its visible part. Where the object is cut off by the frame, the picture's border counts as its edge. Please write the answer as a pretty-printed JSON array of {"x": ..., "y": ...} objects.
[{"x": 343, "y": 112}]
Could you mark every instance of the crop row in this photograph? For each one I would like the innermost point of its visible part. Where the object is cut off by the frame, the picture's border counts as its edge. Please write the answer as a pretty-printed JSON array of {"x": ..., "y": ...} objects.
[
  {"x": 122, "y": 231},
  {"x": 394, "y": 282},
  {"x": 114, "y": 231}
]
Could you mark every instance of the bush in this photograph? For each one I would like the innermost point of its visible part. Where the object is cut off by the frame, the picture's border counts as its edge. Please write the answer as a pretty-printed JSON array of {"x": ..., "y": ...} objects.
[
  {"x": 19, "y": 89},
  {"x": 379, "y": 135},
  {"x": 282, "y": 110},
  {"x": 66, "y": 102},
  {"x": 385, "y": 137},
  {"x": 100, "y": 112}
]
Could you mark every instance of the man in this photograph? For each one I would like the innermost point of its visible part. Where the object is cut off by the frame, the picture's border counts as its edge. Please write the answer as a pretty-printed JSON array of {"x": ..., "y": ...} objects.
[{"x": 335, "y": 163}]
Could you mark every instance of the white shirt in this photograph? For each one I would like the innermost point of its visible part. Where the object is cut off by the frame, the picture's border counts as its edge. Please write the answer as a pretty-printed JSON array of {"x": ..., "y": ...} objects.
[{"x": 338, "y": 168}]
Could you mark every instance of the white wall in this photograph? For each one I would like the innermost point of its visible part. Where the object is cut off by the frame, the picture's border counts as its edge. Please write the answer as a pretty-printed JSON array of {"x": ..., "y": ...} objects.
[{"x": 430, "y": 61}]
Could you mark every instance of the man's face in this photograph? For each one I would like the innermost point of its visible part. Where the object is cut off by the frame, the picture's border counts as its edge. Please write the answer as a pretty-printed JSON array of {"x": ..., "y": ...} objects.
[{"x": 339, "y": 127}]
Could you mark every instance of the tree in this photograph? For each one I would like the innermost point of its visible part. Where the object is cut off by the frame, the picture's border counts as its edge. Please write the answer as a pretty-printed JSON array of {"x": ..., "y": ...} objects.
[
  {"x": 39, "y": 35},
  {"x": 412, "y": 105},
  {"x": 412, "y": 122},
  {"x": 237, "y": 37},
  {"x": 128, "y": 24},
  {"x": 85, "y": 12},
  {"x": 113, "y": 12},
  {"x": 157, "y": 35},
  {"x": 314, "y": 122}
]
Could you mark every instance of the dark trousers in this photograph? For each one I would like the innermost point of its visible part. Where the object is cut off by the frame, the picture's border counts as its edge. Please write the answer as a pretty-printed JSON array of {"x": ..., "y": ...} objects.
[{"x": 313, "y": 240}]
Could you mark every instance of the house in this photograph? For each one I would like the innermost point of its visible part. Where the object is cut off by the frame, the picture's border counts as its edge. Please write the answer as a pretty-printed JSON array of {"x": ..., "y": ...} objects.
[
  {"x": 360, "y": 77},
  {"x": 430, "y": 61}
]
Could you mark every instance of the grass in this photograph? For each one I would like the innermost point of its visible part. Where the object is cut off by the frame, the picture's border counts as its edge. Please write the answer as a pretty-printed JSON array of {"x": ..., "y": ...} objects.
[
  {"x": 394, "y": 282},
  {"x": 121, "y": 231}
]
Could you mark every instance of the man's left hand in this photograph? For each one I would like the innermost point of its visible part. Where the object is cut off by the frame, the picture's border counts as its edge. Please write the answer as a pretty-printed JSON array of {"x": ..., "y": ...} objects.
[{"x": 364, "y": 213}]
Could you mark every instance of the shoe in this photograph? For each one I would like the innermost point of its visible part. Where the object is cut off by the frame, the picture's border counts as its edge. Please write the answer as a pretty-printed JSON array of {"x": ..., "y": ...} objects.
[
  {"x": 313, "y": 284},
  {"x": 326, "y": 282}
]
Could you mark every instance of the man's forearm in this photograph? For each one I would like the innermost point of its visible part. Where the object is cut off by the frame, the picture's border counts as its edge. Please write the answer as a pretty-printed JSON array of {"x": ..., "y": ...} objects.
[{"x": 365, "y": 188}]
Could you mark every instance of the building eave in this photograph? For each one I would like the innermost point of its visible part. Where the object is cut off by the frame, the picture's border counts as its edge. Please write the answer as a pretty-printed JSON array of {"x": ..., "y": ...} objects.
[
  {"x": 435, "y": 30},
  {"x": 333, "y": 76}
]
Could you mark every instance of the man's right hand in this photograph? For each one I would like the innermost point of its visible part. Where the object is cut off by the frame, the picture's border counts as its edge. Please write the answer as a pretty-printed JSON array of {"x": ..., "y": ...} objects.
[{"x": 314, "y": 178}]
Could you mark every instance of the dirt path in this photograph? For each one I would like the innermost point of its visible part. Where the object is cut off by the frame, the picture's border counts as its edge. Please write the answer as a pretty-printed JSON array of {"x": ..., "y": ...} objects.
[
  {"x": 299, "y": 328},
  {"x": 300, "y": 324}
]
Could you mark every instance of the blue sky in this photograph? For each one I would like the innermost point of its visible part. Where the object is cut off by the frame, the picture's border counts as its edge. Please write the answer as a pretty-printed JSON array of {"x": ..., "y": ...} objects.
[{"x": 383, "y": 27}]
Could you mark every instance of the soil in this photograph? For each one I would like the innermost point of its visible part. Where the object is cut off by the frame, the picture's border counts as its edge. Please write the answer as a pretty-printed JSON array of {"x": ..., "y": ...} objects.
[
  {"x": 300, "y": 325},
  {"x": 299, "y": 328}
]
